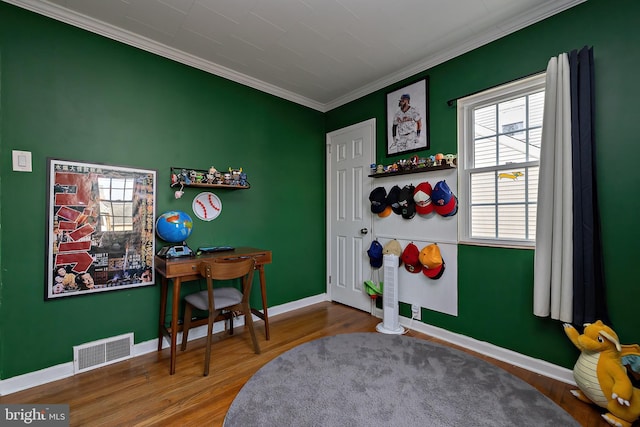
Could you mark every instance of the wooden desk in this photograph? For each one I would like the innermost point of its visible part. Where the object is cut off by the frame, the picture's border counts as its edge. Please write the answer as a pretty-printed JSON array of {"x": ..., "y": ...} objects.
[{"x": 185, "y": 269}]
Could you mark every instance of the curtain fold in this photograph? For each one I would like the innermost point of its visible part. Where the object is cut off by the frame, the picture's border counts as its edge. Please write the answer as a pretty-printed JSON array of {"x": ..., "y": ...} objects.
[
  {"x": 553, "y": 271},
  {"x": 569, "y": 274},
  {"x": 589, "y": 299}
]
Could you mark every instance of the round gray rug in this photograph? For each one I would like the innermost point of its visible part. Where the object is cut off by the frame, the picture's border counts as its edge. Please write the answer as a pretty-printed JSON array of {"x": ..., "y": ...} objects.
[{"x": 370, "y": 379}]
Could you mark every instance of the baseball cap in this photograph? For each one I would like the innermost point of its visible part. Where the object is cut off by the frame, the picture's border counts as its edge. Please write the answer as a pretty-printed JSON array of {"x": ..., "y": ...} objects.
[
  {"x": 422, "y": 197},
  {"x": 405, "y": 96},
  {"x": 378, "y": 198},
  {"x": 386, "y": 212},
  {"x": 406, "y": 202},
  {"x": 445, "y": 203},
  {"x": 432, "y": 262},
  {"x": 393, "y": 247},
  {"x": 375, "y": 254},
  {"x": 393, "y": 198},
  {"x": 410, "y": 257}
]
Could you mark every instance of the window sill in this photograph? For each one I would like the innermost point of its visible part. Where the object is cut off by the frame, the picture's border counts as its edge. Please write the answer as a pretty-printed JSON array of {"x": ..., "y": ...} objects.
[{"x": 499, "y": 244}]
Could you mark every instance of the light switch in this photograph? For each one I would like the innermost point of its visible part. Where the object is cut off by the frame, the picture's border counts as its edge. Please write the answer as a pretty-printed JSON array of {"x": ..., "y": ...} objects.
[{"x": 21, "y": 161}]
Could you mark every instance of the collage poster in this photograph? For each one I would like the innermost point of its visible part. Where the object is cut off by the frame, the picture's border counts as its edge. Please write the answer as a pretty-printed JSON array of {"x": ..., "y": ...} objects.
[{"x": 100, "y": 228}]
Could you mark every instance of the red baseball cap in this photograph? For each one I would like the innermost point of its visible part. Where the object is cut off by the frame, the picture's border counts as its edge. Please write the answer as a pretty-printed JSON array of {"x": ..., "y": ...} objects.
[
  {"x": 411, "y": 258},
  {"x": 422, "y": 197}
]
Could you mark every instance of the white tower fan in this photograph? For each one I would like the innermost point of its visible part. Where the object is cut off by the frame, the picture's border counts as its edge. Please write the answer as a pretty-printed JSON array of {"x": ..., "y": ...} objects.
[{"x": 390, "y": 311}]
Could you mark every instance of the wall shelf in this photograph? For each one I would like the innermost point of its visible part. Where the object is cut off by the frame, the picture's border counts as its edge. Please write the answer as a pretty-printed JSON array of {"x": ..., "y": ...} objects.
[
  {"x": 414, "y": 170},
  {"x": 200, "y": 178},
  {"x": 205, "y": 185}
]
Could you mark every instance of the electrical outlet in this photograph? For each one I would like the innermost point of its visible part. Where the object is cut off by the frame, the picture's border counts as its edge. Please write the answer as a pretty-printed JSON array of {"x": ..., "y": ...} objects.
[{"x": 415, "y": 311}]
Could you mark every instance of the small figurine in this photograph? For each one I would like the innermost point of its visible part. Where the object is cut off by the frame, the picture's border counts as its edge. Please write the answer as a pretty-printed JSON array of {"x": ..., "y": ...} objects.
[
  {"x": 196, "y": 176},
  {"x": 450, "y": 159},
  {"x": 184, "y": 177},
  {"x": 211, "y": 175},
  {"x": 235, "y": 176}
]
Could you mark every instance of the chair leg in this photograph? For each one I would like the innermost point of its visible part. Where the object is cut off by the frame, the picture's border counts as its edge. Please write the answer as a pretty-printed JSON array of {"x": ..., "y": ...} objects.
[
  {"x": 207, "y": 354},
  {"x": 186, "y": 324},
  {"x": 248, "y": 321}
]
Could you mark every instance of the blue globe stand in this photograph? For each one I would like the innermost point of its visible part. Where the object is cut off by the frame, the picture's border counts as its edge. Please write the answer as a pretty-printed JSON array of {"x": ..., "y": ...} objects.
[{"x": 174, "y": 251}]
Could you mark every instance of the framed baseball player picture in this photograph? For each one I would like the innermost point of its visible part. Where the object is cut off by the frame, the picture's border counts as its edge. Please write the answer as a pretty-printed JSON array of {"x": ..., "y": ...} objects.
[
  {"x": 100, "y": 228},
  {"x": 408, "y": 118}
]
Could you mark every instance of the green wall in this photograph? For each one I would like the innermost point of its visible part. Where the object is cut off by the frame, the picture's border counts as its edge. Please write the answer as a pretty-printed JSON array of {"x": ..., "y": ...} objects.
[
  {"x": 494, "y": 284},
  {"x": 70, "y": 94}
]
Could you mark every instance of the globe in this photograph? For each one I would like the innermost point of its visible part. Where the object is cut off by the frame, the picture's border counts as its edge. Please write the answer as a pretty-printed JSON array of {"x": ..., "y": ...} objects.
[{"x": 174, "y": 226}]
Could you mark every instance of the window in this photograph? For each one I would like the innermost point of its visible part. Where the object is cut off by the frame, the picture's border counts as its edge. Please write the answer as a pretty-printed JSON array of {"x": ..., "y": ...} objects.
[
  {"x": 499, "y": 134},
  {"x": 116, "y": 204}
]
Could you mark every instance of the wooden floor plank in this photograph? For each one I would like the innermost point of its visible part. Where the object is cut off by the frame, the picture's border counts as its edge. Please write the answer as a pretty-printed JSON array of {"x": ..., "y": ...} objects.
[{"x": 140, "y": 391}]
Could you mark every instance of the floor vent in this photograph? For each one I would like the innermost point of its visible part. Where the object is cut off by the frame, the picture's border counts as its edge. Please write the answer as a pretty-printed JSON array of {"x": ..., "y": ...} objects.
[{"x": 99, "y": 353}]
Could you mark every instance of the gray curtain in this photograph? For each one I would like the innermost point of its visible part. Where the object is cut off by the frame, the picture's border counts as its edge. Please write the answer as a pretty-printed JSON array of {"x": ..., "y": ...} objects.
[
  {"x": 569, "y": 277},
  {"x": 553, "y": 272}
]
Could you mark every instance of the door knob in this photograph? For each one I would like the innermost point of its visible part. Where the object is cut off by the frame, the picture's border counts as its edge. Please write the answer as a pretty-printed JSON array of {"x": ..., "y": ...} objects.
[{"x": 364, "y": 231}]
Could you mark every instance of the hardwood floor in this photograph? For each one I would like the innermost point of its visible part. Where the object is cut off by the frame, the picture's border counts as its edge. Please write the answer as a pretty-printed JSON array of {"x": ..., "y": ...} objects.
[{"x": 140, "y": 391}]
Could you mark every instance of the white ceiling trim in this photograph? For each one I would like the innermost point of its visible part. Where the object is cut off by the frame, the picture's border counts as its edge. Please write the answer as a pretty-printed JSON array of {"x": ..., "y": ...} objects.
[
  {"x": 480, "y": 40},
  {"x": 59, "y": 13},
  {"x": 107, "y": 30}
]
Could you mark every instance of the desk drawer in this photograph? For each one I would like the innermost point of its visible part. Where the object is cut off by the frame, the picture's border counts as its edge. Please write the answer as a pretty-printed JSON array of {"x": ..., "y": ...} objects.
[
  {"x": 263, "y": 257},
  {"x": 182, "y": 269},
  {"x": 260, "y": 257}
]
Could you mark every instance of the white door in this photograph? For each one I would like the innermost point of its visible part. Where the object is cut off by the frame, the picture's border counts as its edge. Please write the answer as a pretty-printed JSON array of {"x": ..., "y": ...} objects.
[{"x": 350, "y": 154}]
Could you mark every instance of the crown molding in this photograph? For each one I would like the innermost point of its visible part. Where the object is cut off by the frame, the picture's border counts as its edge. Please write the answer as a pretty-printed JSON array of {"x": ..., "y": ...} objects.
[
  {"x": 79, "y": 20},
  {"x": 59, "y": 13},
  {"x": 539, "y": 14}
]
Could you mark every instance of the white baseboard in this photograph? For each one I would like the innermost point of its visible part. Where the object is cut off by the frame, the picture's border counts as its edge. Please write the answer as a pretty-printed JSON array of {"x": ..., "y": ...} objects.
[
  {"x": 526, "y": 362},
  {"x": 64, "y": 370}
]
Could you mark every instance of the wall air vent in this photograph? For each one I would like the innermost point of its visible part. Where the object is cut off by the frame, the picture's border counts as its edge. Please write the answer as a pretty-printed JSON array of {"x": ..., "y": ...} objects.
[{"x": 99, "y": 353}]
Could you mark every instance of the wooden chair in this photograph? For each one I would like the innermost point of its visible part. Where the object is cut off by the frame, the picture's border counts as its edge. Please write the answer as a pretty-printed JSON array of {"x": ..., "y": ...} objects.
[{"x": 221, "y": 300}]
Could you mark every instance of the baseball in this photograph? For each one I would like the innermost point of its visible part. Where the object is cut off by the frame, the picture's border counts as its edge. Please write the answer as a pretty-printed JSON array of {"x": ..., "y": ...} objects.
[
  {"x": 207, "y": 206},
  {"x": 202, "y": 207},
  {"x": 212, "y": 202}
]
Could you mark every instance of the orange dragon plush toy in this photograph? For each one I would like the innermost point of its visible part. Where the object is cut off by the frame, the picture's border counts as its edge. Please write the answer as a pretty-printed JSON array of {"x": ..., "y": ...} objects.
[{"x": 601, "y": 374}]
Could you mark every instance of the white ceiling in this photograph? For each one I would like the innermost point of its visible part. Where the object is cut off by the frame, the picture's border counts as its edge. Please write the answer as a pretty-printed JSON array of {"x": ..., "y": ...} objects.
[{"x": 318, "y": 53}]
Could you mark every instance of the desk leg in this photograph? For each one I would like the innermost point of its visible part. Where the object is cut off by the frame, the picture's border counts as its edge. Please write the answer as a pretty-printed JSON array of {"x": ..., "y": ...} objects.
[
  {"x": 263, "y": 290},
  {"x": 163, "y": 311},
  {"x": 174, "y": 323}
]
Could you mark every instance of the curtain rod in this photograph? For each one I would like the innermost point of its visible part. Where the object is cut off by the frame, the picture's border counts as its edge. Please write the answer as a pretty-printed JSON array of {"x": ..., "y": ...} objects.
[{"x": 453, "y": 100}]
